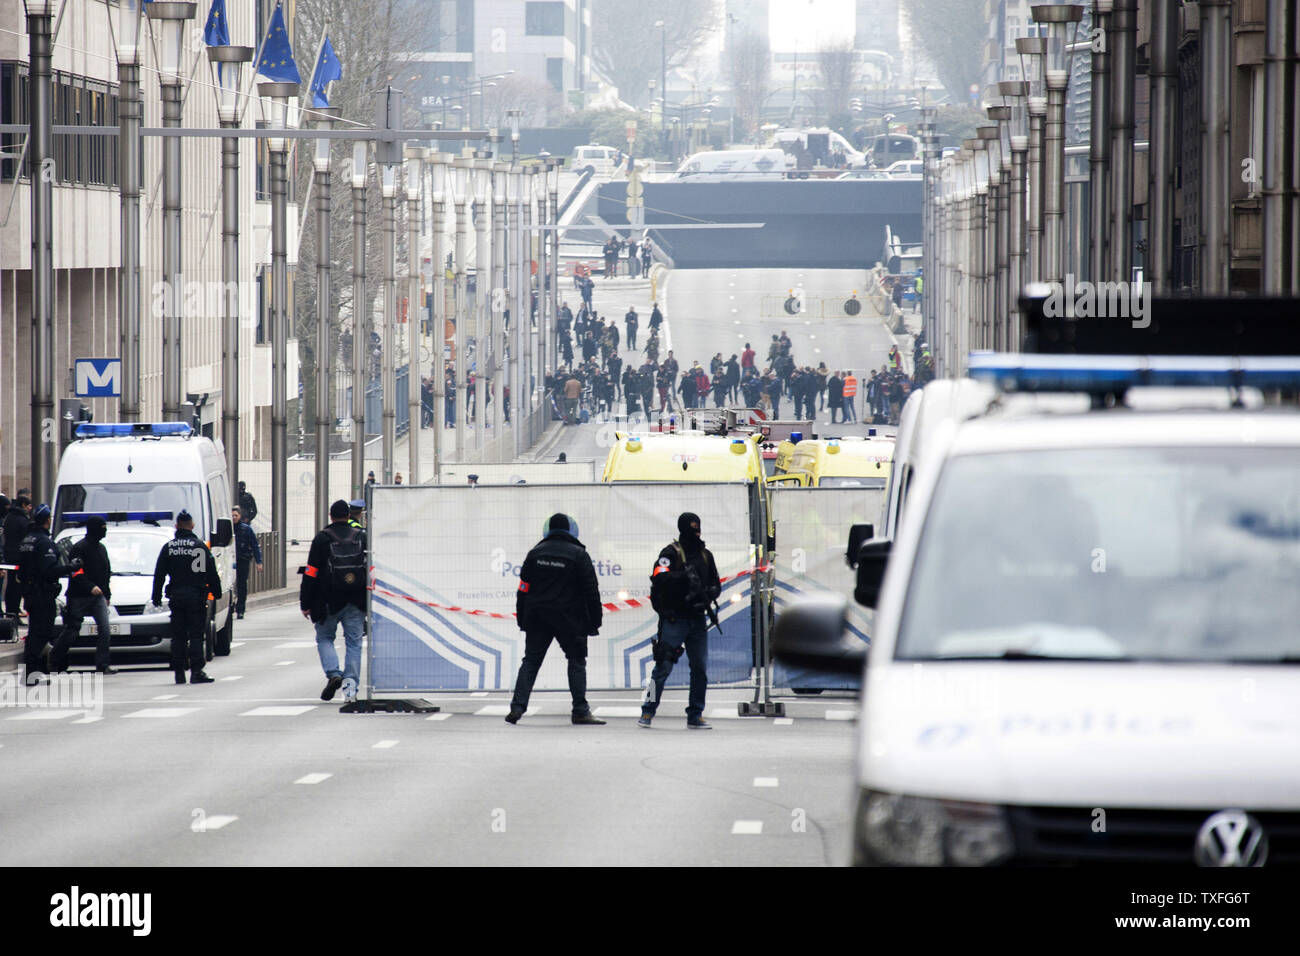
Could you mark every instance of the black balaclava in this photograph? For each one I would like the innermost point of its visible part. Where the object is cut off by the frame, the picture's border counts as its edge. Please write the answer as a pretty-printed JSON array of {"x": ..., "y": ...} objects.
[
  {"x": 96, "y": 528},
  {"x": 688, "y": 531}
]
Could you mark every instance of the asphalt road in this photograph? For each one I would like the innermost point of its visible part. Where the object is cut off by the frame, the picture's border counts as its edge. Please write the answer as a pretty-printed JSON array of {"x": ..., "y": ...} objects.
[{"x": 256, "y": 770}]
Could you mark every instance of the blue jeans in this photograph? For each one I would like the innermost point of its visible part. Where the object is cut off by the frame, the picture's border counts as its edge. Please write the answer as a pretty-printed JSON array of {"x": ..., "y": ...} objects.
[
  {"x": 353, "y": 620},
  {"x": 693, "y": 632},
  {"x": 850, "y": 415}
]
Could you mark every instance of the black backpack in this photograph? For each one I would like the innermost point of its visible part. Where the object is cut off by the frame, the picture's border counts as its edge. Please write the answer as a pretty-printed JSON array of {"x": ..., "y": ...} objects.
[{"x": 347, "y": 561}]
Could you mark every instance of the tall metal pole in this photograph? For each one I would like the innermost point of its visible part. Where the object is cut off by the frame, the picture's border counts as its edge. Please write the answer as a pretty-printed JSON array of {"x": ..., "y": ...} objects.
[
  {"x": 461, "y": 202},
  {"x": 44, "y": 433},
  {"x": 552, "y": 350},
  {"x": 501, "y": 350},
  {"x": 438, "y": 314},
  {"x": 388, "y": 192},
  {"x": 1034, "y": 237},
  {"x": 527, "y": 192},
  {"x": 1099, "y": 207},
  {"x": 279, "y": 94},
  {"x": 324, "y": 315},
  {"x": 360, "y": 319},
  {"x": 483, "y": 296},
  {"x": 1122, "y": 121},
  {"x": 414, "y": 380},
  {"x": 1216, "y": 56},
  {"x": 229, "y": 60},
  {"x": 1054, "y": 186},
  {"x": 1279, "y": 161},
  {"x": 1162, "y": 158},
  {"x": 129, "y": 114}
]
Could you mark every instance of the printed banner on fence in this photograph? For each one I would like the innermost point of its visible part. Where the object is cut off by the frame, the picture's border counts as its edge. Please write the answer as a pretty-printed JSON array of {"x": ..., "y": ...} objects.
[
  {"x": 812, "y": 534},
  {"x": 446, "y": 564}
]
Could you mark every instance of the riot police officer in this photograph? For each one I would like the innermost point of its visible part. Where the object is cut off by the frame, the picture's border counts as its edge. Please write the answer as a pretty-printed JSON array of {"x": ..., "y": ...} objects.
[
  {"x": 558, "y": 599},
  {"x": 89, "y": 593},
  {"x": 39, "y": 570},
  {"x": 192, "y": 571},
  {"x": 683, "y": 587}
]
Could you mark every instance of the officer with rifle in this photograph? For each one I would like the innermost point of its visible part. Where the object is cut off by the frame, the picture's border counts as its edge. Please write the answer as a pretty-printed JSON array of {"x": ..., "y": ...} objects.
[{"x": 684, "y": 588}]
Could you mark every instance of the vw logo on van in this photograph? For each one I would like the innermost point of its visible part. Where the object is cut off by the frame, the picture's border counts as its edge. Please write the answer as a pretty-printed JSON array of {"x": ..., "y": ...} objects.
[{"x": 1231, "y": 838}]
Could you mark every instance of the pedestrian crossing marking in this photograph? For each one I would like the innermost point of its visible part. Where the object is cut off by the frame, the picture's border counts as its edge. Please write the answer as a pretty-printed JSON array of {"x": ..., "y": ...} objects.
[
  {"x": 438, "y": 717},
  {"x": 766, "y": 782},
  {"x": 384, "y": 745},
  {"x": 841, "y": 715},
  {"x": 293, "y": 645},
  {"x": 162, "y": 712},
  {"x": 747, "y": 828},
  {"x": 783, "y": 721},
  {"x": 216, "y": 822},
  {"x": 617, "y": 711},
  {"x": 47, "y": 714},
  {"x": 277, "y": 711},
  {"x": 313, "y": 778}
]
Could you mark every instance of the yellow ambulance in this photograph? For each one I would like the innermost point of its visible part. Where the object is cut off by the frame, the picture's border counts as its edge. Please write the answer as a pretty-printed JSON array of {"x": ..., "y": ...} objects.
[{"x": 848, "y": 462}]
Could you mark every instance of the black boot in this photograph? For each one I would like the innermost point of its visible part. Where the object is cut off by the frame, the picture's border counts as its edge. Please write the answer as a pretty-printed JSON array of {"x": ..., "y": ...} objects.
[
  {"x": 180, "y": 677},
  {"x": 198, "y": 677}
]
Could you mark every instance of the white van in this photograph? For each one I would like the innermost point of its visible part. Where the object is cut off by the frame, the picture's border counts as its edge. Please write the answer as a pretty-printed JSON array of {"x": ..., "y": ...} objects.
[
  {"x": 1086, "y": 629},
  {"x": 139, "y": 476},
  {"x": 734, "y": 165},
  {"x": 604, "y": 161}
]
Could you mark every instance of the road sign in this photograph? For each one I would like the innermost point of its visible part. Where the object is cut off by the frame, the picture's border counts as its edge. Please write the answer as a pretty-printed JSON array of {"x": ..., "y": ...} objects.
[{"x": 98, "y": 377}]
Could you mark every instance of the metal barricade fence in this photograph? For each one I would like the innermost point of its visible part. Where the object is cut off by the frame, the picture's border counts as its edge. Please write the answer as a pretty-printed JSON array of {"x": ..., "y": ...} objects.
[
  {"x": 270, "y": 577},
  {"x": 446, "y": 564},
  {"x": 812, "y": 531}
]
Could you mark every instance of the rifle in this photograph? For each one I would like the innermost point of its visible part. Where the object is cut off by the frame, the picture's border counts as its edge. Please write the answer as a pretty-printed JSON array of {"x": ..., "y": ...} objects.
[{"x": 711, "y": 609}]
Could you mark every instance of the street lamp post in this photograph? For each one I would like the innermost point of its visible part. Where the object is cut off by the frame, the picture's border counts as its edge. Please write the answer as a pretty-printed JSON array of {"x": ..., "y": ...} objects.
[
  {"x": 1061, "y": 20},
  {"x": 170, "y": 19},
  {"x": 663, "y": 81},
  {"x": 460, "y": 198},
  {"x": 1215, "y": 93},
  {"x": 1031, "y": 51},
  {"x": 481, "y": 184},
  {"x": 501, "y": 351},
  {"x": 437, "y": 165},
  {"x": 229, "y": 60},
  {"x": 325, "y": 117},
  {"x": 1000, "y": 179},
  {"x": 126, "y": 37},
  {"x": 414, "y": 380},
  {"x": 1015, "y": 93},
  {"x": 1099, "y": 147},
  {"x": 388, "y": 365},
  {"x": 360, "y": 318},
  {"x": 278, "y": 94},
  {"x": 1123, "y": 67}
]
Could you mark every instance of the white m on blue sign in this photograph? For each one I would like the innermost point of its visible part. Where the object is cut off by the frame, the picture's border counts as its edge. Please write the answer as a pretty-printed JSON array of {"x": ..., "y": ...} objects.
[{"x": 98, "y": 377}]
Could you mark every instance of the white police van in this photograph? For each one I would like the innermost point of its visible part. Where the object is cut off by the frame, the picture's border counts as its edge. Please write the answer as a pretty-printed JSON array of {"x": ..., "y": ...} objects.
[
  {"x": 1087, "y": 628},
  {"x": 138, "y": 477}
]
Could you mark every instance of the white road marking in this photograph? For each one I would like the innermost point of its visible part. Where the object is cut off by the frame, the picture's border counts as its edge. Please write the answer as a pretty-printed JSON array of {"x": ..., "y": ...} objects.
[
  {"x": 293, "y": 645},
  {"x": 237, "y": 644},
  {"x": 766, "y": 782},
  {"x": 47, "y": 714},
  {"x": 500, "y": 710},
  {"x": 437, "y": 717},
  {"x": 283, "y": 663},
  {"x": 277, "y": 711},
  {"x": 384, "y": 745},
  {"x": 232, "y": 677},
  {"x": 166, "y": 696},
  {"x": 841, "y": 715},
  {"x": 783, "y": 721},
  {"x": 747, "y": 828},
  {"x": 313, "y": 778},
  {"x": 723, "y": 713},
  {"x": 89, "y": 719},
  {"x": 479, "y": 693},
  {"x": 617, "y": 711},
  {"x": 216, "y": 822},
  {"x": 163, "y": 712}
]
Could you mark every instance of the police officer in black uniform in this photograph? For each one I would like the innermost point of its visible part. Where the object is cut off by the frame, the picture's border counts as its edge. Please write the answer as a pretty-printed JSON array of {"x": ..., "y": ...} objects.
[
  {"x": 193, "y": 576},
  {"x": 558, "y": 598},
  {"x": 89, "y": 593},
  {"x": 39, "y": 570},
  {"x": 683, "y": 586}
]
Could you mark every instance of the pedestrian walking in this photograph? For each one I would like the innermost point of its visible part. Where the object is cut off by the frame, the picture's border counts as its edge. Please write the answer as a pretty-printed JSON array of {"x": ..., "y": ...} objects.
[
  {"x": 656, "y": 318},
  {"x": 190, "y": 572},
  {"x": 89, "y": 593},
  {"x": 247, "y": 553},
  {"x": 850, "y": 397},
  {"x": 835, "y": 395},
  {"x": 247, "y": 503},
  {"x": 630, "y": 322},
  {"x": 333, "y": 593},
  {"x": 558, "y": 599},
  {"x": 39, "y": 570},
  {"x": 684, "y": 584}
]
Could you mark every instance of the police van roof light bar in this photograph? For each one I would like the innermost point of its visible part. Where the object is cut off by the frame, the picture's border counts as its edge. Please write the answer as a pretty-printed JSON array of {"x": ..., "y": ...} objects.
[
  {"x": 81, "y": 517},
  {"x": 134, "y": 430},
  {"x": 1099, "y": 374}
]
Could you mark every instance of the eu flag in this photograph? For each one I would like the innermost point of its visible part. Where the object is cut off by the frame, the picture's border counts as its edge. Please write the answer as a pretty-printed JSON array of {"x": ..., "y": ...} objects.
[
  {"x": 328, "y": 69},
  {"x": 277, "y": 61},
  {"x": 216, "y": 33}
]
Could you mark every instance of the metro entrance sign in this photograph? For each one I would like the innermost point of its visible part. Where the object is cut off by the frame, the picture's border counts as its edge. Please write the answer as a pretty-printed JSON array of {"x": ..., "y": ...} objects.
[{"x": 98, "y": 377}]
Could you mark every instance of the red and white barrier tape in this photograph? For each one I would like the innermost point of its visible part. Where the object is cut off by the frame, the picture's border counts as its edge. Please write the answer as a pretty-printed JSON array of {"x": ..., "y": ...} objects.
[{"x": 631, "y": 604}]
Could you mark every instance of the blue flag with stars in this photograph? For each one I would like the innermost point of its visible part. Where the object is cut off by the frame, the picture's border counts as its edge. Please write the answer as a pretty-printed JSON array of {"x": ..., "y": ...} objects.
[
  {"x": 216, "y": 33},
  {"x": 328, "y": 69},
  {"x": 277, "y": 61}
]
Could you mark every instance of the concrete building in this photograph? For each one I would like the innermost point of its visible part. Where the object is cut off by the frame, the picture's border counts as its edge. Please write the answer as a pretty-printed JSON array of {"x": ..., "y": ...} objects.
[{"x": 86, "y": 236}]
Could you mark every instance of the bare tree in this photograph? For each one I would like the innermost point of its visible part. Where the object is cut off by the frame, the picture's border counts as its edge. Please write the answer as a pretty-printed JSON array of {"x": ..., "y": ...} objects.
[
  {"x": 539, "y": 101},
  {"x": 628, "y": 49},
  {"x": 373, "y": 41},
  {"x": 951, "y": 32},
  {"x": 838, "y": 65},
  {"x": 751, "y": 73}
]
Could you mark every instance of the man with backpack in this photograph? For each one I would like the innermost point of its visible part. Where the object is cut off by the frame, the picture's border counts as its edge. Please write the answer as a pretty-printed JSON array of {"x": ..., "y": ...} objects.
[{"x": 333, "y": 592}]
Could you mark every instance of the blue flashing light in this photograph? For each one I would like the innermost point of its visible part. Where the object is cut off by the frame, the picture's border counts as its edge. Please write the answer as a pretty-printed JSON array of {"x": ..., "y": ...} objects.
[
  {"x": 134, "y": 430},
  {"x": 80, "y": 517},
  {"x": 1116, "y": 373},
  {"x": 796, "y": 437}
]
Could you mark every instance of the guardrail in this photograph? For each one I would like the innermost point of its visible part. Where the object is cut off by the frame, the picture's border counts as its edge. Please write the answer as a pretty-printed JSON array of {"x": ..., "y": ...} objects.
[{"x": 270, "y": 578}]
